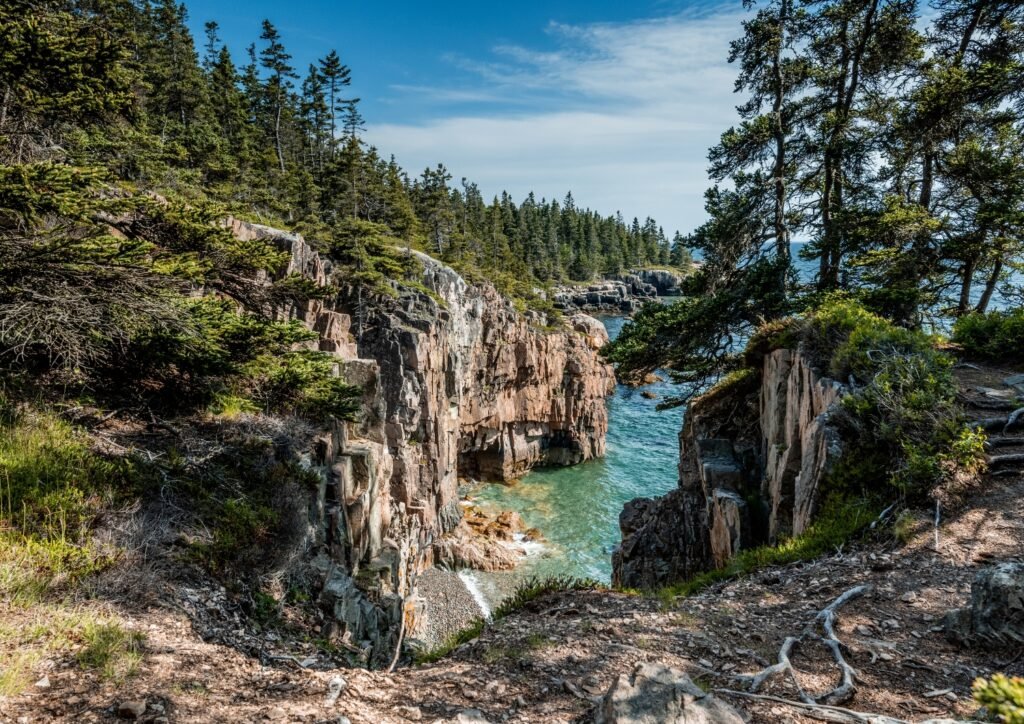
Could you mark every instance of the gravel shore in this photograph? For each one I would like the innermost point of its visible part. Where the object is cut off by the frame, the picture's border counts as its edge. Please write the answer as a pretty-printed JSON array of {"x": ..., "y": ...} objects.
[{"x": 449, "y": 606}]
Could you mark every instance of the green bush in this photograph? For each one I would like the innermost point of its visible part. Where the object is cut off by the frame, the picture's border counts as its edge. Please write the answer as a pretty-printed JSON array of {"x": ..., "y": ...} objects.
[
  {"x": 226, "y": 357},
  {"x": 997, "y": 336},
  {"x": 1003, "y": 696}
]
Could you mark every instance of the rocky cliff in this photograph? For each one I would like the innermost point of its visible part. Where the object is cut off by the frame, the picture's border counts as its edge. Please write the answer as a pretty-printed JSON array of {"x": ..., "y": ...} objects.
[
  {"x": 752, "y": 454},
  {"x": 457, "y": 383}
]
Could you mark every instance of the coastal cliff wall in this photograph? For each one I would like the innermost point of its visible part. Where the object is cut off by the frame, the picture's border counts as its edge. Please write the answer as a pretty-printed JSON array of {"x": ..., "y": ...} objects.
[
  {"x": 752, "y": 455},
  {"x": 457, "y": 383}
]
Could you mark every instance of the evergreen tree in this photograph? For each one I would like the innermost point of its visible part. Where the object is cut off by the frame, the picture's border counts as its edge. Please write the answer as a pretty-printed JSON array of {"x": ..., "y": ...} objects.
[{"x": 275, "y": 60}]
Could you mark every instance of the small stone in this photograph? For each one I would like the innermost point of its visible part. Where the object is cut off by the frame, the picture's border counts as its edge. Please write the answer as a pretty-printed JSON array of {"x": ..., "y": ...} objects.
[
  {"x": 908, "y": 597},
  {"x": 951, "y": 696},
  {"x": 334, "y": 688},
  {"x": 275, "y": 714},
  {"x": 891, "y": 623},
  {"x": 864, "y": 630},
  {"x": 73, "y": 700},
  {"x": 706, "y": 664},
  {"x": 520, "y": 702},
  {"x": 131, "y": 709},
  {"x": 43, "y": 683},
  {"x": 412, "y": 713},
  {"x": 495, "y": 688},
  {"x": 937, "y": 693},
  {"x": 471, "y": 716}
]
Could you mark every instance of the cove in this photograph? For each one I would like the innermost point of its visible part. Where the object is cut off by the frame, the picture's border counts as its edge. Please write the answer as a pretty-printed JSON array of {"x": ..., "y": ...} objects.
[{"x": 577, "y": 508}]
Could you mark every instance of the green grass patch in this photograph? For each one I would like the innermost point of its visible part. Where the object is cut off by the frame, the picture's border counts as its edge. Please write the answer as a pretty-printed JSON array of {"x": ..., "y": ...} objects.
[
  {"x": 839, "y": 520},
  {"x": 112, "y": 650},
  {"x": 53, "y": 488},
  {"x": 28, "y": 637},
  {"x": 453, "y": 642}
]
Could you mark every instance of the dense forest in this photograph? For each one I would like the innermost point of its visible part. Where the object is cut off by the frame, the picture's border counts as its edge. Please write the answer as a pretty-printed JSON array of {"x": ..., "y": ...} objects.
[
  {"x": 889, "y": 136},
  {"x": 121, "y": 88}
]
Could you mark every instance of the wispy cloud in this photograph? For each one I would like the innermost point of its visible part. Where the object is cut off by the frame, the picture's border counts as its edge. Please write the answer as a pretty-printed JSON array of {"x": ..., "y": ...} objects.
[{"x": 620, "y": 113}]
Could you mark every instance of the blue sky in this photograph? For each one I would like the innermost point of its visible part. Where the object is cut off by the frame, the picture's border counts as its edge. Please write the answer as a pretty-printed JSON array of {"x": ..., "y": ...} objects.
[{"x": 616, "y": 101}]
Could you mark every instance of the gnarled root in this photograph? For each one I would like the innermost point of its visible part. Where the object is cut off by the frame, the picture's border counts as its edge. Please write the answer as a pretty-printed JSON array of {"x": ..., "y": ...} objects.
[{"x": 827, "y": 618}]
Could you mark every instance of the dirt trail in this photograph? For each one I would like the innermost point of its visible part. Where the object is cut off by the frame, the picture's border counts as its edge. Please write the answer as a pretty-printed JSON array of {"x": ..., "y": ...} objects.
[{"x": 550, "y": 661}]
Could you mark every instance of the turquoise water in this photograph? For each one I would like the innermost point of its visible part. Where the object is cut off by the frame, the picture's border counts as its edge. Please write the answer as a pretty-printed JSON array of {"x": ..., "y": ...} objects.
[{"x": 577, "y": 508}]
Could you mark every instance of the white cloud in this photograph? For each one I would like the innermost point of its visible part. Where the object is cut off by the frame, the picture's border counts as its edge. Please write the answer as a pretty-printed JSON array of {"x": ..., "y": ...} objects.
[{"x": 620, "y": 113}]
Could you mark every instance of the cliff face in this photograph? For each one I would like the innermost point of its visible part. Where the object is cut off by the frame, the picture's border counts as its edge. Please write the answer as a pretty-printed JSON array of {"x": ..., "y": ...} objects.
[
  {"x": 752, "y": 457},
  {"x": 456, "y": 383}
]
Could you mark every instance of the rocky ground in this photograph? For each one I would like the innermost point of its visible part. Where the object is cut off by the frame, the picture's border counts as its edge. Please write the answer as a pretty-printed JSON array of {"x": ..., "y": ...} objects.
[{"x": 553, "y": 660}]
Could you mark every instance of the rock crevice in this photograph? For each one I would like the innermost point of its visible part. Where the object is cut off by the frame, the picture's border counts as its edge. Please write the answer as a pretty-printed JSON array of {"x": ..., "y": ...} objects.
[{"x": 752, "y": 456}]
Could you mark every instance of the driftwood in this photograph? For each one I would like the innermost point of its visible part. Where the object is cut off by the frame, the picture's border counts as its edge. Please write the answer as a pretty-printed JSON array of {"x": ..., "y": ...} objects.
[{"x": 827, "y": 618}]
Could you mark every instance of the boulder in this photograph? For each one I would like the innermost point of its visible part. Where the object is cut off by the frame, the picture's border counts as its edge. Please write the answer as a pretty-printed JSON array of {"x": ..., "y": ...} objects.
[
  {"x": 657, "y": 694},
  {"x": 996, "y": 613}
]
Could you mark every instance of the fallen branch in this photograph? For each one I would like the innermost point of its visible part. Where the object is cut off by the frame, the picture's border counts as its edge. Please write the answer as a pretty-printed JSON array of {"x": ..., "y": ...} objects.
[
  {"x": 823, "y": 711},
  {"x": 827, "y": 618}
]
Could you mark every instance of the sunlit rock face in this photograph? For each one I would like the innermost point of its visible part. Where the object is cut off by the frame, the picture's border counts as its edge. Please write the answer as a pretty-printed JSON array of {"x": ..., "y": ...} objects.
[
  {"x": 457, "y": 384},
  {"x": 751, "y": 460}
]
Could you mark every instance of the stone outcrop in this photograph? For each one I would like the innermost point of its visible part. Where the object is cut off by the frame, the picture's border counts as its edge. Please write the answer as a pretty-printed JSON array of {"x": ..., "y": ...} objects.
[
  {"x": 752, "y": 457},
  {"x": 457, "y": 383},
  {"x": 666, "y": 283},
  {"x": 658, "y": 694},
  {"x": 996, "y": 613},
  {"x": 620, "y": 294}
]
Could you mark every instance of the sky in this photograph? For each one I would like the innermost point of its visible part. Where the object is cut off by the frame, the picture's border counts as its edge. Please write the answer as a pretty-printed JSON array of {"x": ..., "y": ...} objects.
[{"x": 617, "y": 102}]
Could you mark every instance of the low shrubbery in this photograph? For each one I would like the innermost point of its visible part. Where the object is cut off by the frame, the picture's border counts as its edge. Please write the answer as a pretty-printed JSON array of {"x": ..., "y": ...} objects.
[
  {"x": 902, "y": 428},
  {"x": 997, "y": 336},
  {"x": 1002, "y": 697}
]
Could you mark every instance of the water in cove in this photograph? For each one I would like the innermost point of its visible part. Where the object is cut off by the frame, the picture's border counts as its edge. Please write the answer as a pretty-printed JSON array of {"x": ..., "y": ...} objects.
[{"x": 577, "y": 508}]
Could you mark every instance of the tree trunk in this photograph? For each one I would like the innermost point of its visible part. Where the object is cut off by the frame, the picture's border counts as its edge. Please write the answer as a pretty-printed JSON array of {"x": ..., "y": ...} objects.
[
  {"x": 781, "y": 232},
  {"x": 965, "y": 285},
  {"x": 277, "y": 135},
  {"x": 990, "y": 287}
]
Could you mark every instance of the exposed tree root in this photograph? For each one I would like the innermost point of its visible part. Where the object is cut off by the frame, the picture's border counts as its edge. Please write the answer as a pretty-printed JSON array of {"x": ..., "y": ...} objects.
[
  {"x": 1013, "y": 419},
  {"x": 827, "y": 618},
  {"x": 824, "y": 712}
]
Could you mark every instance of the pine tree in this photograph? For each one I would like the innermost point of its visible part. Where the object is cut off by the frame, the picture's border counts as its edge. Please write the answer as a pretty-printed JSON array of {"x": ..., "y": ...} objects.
[
  {"x": 275, "y": 59},
  {"x": 336, "y": 76}
]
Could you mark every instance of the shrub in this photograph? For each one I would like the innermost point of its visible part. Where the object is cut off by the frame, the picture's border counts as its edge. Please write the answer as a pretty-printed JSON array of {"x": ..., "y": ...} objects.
[
  {"x": 997, "y": 336},
  {"x": 1003, "y": 697}
]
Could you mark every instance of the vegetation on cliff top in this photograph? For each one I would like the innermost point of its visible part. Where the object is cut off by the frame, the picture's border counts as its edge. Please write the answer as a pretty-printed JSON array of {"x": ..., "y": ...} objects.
[{"x": 890, "y": 144}]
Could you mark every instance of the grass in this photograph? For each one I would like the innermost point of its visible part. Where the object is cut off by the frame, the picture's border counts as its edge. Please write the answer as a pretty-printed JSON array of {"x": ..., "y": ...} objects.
[
  {"x": 53, "y": 487},
  {"x": 524, "y": 594},
  {"x": 50, "y": 630},
  {"x": 839, "y": 520},
  {"x": 111, "y": 649},
  {"x": 474, "y": 629}
]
